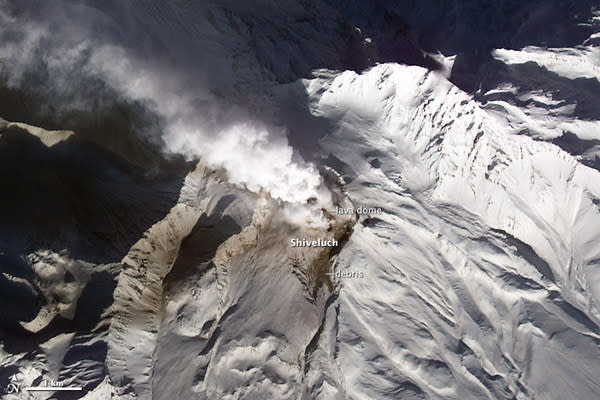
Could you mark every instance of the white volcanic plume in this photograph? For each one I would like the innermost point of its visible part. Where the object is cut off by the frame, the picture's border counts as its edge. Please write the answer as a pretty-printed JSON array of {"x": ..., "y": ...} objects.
[
  {"x": 254, "y": 154},
  {"x": 67, "y": 61}
]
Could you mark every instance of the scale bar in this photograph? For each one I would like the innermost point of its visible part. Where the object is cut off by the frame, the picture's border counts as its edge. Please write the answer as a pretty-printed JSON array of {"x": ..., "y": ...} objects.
[{"x": 53, "y": 388}]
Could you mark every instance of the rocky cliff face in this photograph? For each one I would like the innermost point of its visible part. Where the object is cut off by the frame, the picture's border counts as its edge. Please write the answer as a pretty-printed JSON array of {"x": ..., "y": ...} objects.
[{"x": 149, "y": 250}]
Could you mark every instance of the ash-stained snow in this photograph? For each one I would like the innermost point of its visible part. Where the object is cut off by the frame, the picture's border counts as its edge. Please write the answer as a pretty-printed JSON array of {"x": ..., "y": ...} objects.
[{"x": 478, "y": 279}]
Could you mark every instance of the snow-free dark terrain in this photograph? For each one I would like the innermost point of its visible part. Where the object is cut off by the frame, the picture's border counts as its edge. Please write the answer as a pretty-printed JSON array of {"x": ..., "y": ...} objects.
[{"x": 157, "y": 159}]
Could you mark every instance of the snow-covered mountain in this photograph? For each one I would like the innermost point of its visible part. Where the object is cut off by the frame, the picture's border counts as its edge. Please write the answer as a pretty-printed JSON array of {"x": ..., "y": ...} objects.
[{"x": 147, "y": 245}]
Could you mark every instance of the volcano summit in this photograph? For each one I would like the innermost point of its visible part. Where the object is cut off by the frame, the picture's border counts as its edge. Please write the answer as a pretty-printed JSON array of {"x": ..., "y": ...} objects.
[{"x": 308, "y": 200}]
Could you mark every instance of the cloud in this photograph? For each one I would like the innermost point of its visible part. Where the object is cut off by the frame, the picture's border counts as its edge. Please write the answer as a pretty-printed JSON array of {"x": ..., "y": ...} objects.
[{"x": 79, "y": 57}]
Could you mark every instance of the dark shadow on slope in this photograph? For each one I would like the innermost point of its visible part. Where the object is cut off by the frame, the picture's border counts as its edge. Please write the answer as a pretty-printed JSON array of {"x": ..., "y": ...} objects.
[
  {"x": 124, "y": 130},
  {"x": 528, "y": 253},
  {"x": 587, "y": 149},
  {"x": 75, "y": 196},
  {"x": 403, "y": 29},
  {"x": 480, "y": 74},
  {"x": 304, "y": 129},
  {"x": 20, "y": 299},
  {"x": 485, "y": 73},
  {"x": 200, "y": 246},
  {"x": 77, "y": 200},
  {"x": 576, "y": 314},
  {"x": 574, "y": 145},
  {"x": 488, "y": 74},
  {"x": 83, "y": 355},
  {"x": 406, "y": 31},
  {"x": 94, "y": 300}
]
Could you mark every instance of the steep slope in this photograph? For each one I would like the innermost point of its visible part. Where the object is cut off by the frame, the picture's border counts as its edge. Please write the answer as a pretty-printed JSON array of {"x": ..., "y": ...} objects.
[
  {"x": 135, "y": 315},
  {"x": 190, "y": 326},
  {"x": 550, "y": 94},
  {"x": 481, "y": 276},
  {"x": 467, "y": 221},
  {"x": 70, "y": 211}
]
